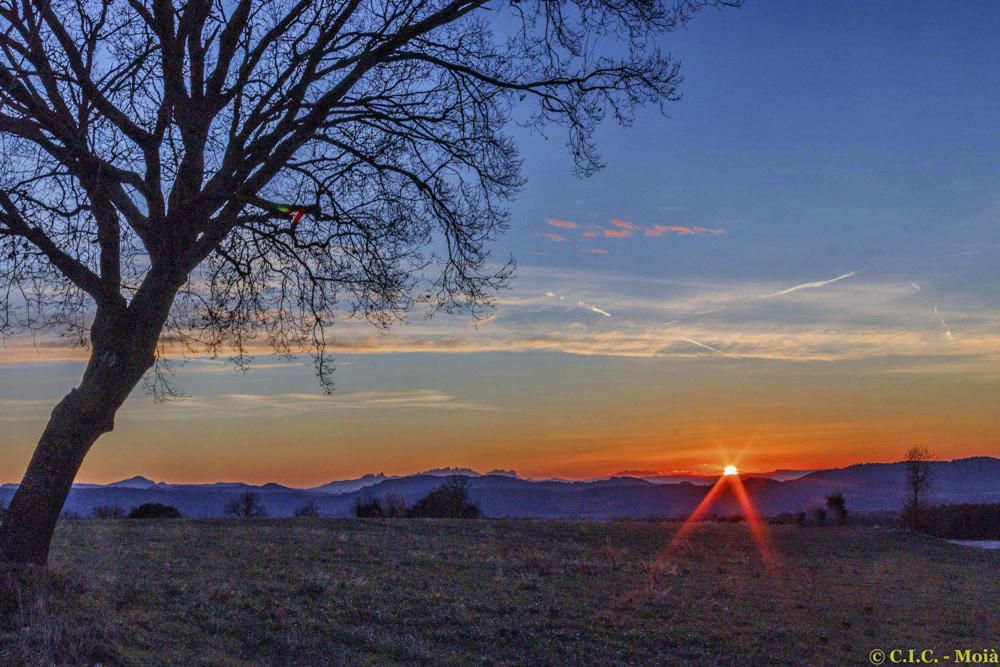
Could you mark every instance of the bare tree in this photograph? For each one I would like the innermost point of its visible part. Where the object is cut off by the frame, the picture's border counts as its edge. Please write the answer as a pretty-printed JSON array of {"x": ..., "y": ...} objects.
[
  {"x": 201, "y": 174},
  {"x": 918, "y": 480},
  {"x": 247, "y": 505},
  {"x": 309, "y": 510}
]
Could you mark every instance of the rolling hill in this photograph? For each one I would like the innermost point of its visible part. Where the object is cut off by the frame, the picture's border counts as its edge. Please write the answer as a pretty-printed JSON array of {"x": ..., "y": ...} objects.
[{"x": 867, "y": 487}]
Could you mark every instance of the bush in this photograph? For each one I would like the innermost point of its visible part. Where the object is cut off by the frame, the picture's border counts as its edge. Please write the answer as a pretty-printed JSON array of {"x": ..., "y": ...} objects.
[
  {"x": 369, "y": 508},
  {"x": 106, "y": 512},
  {"x": 837, "y": 507},
  {"x": 309, "y": 510},
  {"x": 394, "y": 506},
  {"x": 154, "y": 511},
  {"x": 448, "y": 501},
  {"x": 247, "y": 505}
]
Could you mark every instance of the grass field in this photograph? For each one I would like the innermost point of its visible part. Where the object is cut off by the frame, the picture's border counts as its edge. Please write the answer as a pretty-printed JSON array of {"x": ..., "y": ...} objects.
[{"x": 332, "y": 592}]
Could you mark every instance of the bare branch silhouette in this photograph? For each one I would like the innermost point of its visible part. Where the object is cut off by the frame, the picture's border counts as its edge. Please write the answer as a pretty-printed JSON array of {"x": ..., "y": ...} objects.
[{"x": 152, "y": 151}]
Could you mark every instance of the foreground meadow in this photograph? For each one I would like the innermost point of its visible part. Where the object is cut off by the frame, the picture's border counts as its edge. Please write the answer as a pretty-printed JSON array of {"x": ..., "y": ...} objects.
[{"x": 331, "y": 592}]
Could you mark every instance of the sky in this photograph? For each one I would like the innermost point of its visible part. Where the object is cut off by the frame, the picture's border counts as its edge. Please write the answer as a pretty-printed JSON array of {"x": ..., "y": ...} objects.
[{"x": 796, "y": 268}]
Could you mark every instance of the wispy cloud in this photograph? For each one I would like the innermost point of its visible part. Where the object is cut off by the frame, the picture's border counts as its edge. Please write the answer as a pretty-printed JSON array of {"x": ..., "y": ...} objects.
[
  {"x": 16, "y": 410},
  {"x": 622, "y": 224},
  {"x": 813, "y": 285},
  {"x": 589, "y": 235},
  {"x": 561, "y": 224},
  {"x": 622, "y": 229},
  {"x": 595, "y": 251},
  {"x": 552, "y": 236},
  {"x": 682, "y": 230},
  {"x": 860, "y": 319}
]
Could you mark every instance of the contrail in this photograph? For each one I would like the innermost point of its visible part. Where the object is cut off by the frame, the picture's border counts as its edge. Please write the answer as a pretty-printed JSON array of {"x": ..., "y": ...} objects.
[
  {"x": 812, "y": 285},
  {"x": 593, "y": 309},
  {"x": 944, "y": 325},
  {"x": 707, "y": 347},
  {"x": 914, "y": 286}
]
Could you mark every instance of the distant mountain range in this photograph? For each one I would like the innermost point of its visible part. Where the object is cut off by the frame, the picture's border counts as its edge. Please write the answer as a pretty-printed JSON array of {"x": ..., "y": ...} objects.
[{"x": 867, "y": 487}]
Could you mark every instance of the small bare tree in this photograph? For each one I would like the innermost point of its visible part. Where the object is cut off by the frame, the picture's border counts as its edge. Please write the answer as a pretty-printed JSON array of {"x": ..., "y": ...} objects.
[
  {"x": 199, "y": 173},
  {"x": 310, "y": 510},
  {"x": 918, "y": 481},
  {"x": 247, "y": 505}
]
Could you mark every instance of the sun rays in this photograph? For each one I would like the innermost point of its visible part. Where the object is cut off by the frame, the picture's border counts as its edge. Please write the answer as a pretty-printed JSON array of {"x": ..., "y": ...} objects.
[{"x": 729, "y": 480}]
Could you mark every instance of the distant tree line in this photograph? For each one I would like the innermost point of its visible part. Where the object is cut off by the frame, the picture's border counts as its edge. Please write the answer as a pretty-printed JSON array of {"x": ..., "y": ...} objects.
[
  {"x": 448, "y": 501},
  {"x": 962, "y": 522},
  {"x": 834, "y": 512},
  {"x": 248, "y": 505}
]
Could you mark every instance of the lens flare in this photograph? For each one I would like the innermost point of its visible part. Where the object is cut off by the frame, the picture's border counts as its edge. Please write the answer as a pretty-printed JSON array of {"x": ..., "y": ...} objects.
[
  {"x": 730, "y": 478},
  {"x": 757, "y": 527}
]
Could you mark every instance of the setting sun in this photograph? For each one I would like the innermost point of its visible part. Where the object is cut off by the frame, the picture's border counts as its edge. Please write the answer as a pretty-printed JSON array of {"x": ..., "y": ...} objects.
[{"x": 730, "y": 470}]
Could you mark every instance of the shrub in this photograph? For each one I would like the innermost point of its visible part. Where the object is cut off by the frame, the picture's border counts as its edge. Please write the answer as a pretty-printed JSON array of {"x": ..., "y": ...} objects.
[
  {"x": 369, "y": 508},
  {"x": 107, "y": 512},
  {"x": 450, "y": 500},
  {"x": 837, "y": 507},
  {"x": 309, "y": 510},
  {"x": 154, "y": 511},
  {"x": 247, "y": 505},
  {"x": 819, "y": 514},
  {"x": 394, "y": 506}
]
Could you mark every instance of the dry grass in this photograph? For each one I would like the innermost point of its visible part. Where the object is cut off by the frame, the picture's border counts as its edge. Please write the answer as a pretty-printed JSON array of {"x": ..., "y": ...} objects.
[{"x": 323, "y": 592}]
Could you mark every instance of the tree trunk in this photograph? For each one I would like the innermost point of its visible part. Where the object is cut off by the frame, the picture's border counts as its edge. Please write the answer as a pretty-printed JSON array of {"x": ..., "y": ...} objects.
[
  {"x": 124, "y": 347},
  {"x": 30, "y": 520}
]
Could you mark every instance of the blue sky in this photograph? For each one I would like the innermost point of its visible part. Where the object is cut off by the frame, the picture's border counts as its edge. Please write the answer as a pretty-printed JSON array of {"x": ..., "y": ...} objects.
[{"x": 803, "y": 273}]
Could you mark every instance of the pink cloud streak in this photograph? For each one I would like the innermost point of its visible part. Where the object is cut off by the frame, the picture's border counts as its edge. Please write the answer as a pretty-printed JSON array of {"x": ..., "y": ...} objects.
[
  {"x": 561, "y": 224},
  {"x": 682, "y": 230}
]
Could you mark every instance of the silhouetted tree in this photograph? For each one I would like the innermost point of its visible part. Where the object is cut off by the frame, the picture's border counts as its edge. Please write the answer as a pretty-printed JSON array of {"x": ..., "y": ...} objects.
[
  {"x": 247, "y": 505},
  {"x": 918, "y": 480},
  {"x": 450, "y": 500},
  {"x": 836, "y": 506},
  {"x": 309, "y": 510},
  {"x": 819, "y": 514},
  {"x": 107, "y": 512},
  {"x": 154, "y": 511},
  {"x": 368, "y": 508},
  {"x": 394, "y": 506},
  {"x": 228, "y": 170}
]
